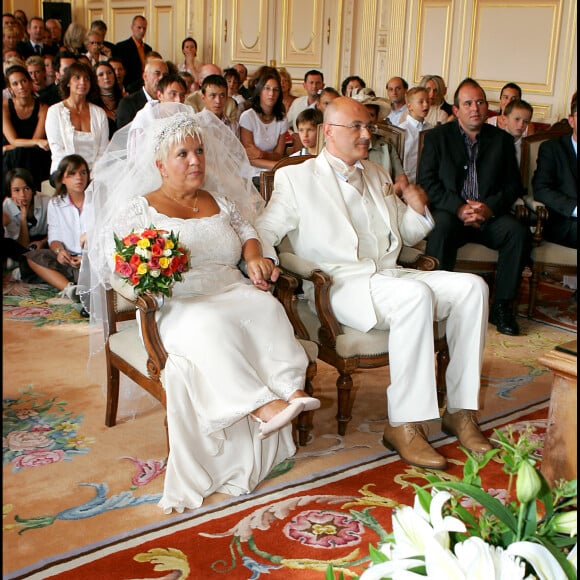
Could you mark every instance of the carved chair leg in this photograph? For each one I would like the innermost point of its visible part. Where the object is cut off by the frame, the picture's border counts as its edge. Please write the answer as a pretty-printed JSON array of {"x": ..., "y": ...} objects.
[
  {"x": 112, "y": 397},
  {"x": 303, "y": 427},
  {"x": 304, "y": 421},
  {"x": 442, "y": 364},
  {"x": 533, "y": 291},
  {"x": 344, "y": 388}
]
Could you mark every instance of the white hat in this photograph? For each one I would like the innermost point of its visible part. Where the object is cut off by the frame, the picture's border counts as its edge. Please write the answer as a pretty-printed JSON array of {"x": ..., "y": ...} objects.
[{"x": 368, "y": 97}]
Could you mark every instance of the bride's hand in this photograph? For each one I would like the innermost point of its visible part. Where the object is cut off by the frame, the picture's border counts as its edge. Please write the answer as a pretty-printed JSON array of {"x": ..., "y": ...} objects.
[{"x": 262, "y": 272}]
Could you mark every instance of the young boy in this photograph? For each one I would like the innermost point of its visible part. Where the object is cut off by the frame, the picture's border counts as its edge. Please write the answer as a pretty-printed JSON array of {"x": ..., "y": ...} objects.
[
  {"x": 517, "y": 116},
  {"x": 307, "y": 126},
  {"x": 418, "y": 108}
]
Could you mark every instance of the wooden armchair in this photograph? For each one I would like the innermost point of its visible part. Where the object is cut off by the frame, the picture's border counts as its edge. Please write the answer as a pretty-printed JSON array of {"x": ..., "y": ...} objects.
[
  {"x": 144, "y": 360},
  {"x": 340, "y": 346},
  {"x": 550, "y": 260},
  {"x": 393, "y": 135}
]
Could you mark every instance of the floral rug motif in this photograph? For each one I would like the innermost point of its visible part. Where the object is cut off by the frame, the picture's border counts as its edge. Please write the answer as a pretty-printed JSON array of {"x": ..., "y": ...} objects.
[
  {"x": 297, "y": 536},
  {"x": 37, "y": 431},
  {"x": 39, "y": 304}
]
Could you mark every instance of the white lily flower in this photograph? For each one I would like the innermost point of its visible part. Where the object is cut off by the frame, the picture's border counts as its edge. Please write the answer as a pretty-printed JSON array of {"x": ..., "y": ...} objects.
[
  {"x": 572, "y": 558},
  {"x": 410, "y": 531},
  {"x": 390, "y": 569},
  {"x": 545, "y": 565},
  {"x": 447, "y": 523}
]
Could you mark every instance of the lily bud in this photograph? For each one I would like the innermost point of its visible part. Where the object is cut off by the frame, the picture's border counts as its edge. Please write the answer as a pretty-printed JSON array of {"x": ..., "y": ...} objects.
[
  {"x": 528, "y": 483},
  {"x": 566, "y": 523}
]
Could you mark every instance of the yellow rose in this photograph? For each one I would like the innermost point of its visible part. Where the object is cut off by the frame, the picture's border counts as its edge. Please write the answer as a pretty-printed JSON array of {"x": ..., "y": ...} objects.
[
  {"x": 169, "y": 245},
  {"x": 142, "y": 268},
  {"x": 164, "y": 262},
  {"x": 144, "y": 243}
]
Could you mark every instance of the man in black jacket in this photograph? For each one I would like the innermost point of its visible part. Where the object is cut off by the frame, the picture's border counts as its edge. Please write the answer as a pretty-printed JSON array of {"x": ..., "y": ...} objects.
[
  {"x": 129, "y": 105},
  {"x": 133, "y": 50},
  {"x": 555, "y": 184},
  {"x": 35, "y": 44},
  {"x": 470, "y": 173},
  {"x": 51, "y": 93}
]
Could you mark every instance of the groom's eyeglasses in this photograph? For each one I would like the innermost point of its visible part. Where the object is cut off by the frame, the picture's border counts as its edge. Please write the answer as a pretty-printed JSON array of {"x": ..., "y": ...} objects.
[{"x": 358, "y": 127}]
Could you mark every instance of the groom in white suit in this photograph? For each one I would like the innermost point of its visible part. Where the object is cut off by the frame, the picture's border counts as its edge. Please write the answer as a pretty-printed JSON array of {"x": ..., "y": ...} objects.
[{"x": 344, "y": 214}]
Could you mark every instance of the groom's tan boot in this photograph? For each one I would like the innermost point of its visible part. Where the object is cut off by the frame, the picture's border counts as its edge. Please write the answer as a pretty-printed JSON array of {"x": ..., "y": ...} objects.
[
  {"x": 410, "y": 442},
  {"x": 464, "y": 426}
]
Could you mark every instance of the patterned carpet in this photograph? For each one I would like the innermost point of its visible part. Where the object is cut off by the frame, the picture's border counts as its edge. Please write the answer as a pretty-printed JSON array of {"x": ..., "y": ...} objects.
[
  {"x": 75, "y": 490},
  {"x": 39, "y": 304}
]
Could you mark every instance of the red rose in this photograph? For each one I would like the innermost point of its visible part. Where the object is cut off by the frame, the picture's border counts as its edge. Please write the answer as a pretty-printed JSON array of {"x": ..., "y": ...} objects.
[
  {"x": 130, "y": 240},
  {"x": 135, "y": 260}
]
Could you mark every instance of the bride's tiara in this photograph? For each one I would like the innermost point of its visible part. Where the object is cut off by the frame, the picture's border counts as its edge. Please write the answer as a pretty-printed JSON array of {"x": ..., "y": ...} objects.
[{"x": 182, "y": 123}]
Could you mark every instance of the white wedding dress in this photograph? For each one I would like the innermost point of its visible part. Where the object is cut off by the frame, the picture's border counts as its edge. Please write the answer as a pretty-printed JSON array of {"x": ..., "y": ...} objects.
[{"x": 231, "y": 349}]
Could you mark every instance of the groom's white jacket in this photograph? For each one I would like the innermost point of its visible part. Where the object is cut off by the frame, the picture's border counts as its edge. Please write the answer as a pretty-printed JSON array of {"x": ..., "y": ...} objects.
[{"x": 307, "y": 206}]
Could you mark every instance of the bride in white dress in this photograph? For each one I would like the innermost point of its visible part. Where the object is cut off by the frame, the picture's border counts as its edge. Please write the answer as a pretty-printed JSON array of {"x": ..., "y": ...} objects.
[{"x": 235, "y": 373}]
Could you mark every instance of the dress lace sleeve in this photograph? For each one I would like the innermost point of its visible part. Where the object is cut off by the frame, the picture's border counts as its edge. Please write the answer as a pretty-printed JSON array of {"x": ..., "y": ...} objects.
[
  {"x": 241, "y": 226},
  {"x": 133, "y": 216}
]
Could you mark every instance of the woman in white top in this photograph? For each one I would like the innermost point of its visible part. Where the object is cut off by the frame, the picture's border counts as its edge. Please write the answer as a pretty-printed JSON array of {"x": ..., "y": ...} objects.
[
  {"x": 189, "y": 64},
  {"x": 59, "y": 264},
  {"x": 24, "y": 221},
  {"x": 76, "y": 125},
  {"x": 263, "y": 127}
]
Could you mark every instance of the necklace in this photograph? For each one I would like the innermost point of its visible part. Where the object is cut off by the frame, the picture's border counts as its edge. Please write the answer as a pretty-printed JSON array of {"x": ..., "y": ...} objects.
[
  {"x": 193, "y": 208},
  {"x": 73, "y": 108}
]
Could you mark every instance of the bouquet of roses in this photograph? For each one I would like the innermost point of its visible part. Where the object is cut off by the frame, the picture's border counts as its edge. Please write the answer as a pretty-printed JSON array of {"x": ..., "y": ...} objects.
[{"x": 150, "y": 260}]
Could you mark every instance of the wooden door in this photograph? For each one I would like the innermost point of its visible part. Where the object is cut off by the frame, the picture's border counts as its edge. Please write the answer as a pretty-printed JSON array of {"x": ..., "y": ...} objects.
[{"x": 299, "y": 35}]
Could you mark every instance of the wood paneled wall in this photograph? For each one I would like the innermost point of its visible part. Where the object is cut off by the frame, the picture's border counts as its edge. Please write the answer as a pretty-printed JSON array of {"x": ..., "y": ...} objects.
[{"x": 531, "y": 42}]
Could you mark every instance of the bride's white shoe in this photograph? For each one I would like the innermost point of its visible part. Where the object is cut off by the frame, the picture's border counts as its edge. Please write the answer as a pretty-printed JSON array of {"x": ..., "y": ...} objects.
[
  {"x": 310, "y": 403},
  {"x": 280, "y": 419}
]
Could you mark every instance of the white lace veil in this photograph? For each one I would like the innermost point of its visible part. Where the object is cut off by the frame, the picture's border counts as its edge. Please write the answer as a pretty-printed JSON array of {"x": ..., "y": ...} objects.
[{"x": 118, "y": 179}]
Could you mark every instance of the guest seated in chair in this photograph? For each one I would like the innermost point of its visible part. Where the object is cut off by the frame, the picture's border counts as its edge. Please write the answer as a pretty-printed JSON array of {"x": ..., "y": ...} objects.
[
  {"x": 60, "y": 263},
  {"x": 340, "y": 212},
  {"x": 25, "y": 226},
  {"x": 235, "y": 373},
  {"x": 307, "y": 124},
  {"x": 381, "y": 151},
  {"x": 470, "y": 173},
  {"x": 264, "y": 125},
  {"x": 517, "y": 116},
  {"x": 555, "y": 184}
]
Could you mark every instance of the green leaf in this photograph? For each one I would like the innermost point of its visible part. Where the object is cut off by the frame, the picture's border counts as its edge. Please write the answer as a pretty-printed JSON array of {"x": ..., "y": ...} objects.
[
  {"x": 489, "y": 503},
  {"x": 545, "y": 496},
  {"x": 377, "y": 557},
  {"x": 424, "y": 497},
  {"x": 531, "y": 521}
]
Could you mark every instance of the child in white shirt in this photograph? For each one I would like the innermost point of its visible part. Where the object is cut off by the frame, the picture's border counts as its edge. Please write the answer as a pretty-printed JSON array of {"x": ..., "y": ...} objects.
[{"x": 418, "y": 109}]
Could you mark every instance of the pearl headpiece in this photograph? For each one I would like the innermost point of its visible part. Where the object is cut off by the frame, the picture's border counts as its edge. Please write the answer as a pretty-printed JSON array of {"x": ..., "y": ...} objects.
[{"x": 183, "y": 123}]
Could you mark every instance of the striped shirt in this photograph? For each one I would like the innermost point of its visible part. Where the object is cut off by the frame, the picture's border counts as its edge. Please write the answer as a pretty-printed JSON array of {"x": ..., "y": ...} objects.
[{"x": 470, "y": 188}]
